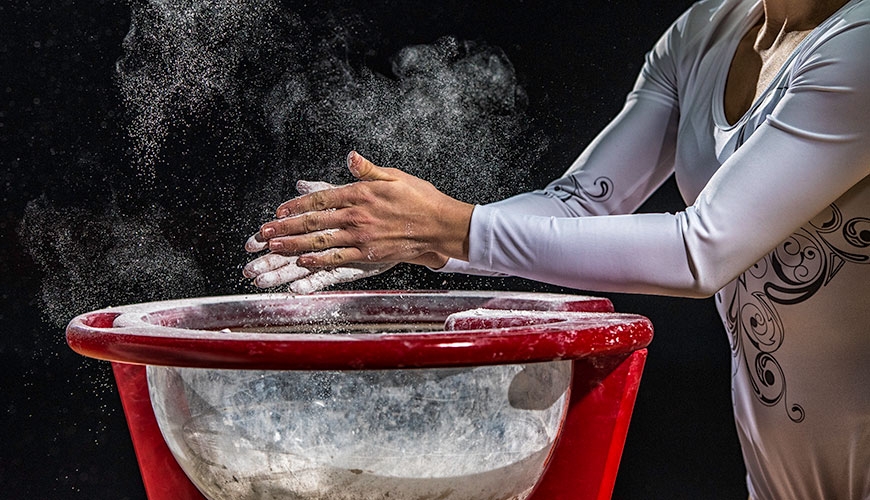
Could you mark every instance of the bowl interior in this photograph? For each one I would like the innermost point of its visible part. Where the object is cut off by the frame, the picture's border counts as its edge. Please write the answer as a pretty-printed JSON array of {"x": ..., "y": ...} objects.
[{"x": 449, "y": 433}]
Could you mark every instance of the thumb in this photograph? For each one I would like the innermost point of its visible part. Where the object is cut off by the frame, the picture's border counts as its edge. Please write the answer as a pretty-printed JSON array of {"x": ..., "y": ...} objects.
[{"x": 365, "y": 170}]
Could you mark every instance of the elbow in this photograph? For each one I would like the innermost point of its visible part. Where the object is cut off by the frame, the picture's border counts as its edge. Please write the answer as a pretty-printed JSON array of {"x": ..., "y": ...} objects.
[
  {"x": 710, "y": 262},
  {"x": 706, "y": 280},
  {"x": 703, "y": 289}
]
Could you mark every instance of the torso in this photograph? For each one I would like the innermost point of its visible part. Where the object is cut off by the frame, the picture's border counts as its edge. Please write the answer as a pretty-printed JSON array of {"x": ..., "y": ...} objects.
[{"x": 797, "y": 320}]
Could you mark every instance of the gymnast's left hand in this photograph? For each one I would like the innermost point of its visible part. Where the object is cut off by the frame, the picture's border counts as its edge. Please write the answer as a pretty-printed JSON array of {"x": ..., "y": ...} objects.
[{"x": 386, "y": 216}]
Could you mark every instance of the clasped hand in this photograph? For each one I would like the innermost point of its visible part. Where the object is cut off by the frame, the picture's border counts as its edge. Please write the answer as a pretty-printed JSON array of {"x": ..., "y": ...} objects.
[{"x": 333, "y": 234}]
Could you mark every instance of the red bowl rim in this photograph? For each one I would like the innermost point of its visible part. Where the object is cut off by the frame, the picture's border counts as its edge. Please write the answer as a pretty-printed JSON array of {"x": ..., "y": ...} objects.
[{"x": 498, "y": 328}]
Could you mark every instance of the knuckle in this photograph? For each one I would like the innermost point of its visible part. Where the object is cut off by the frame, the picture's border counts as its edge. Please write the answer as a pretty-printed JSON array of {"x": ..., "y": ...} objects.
[
  {"x": 371, "y": 255},
  {"x": 309, "y": 223},
  {"x": 319, "y": 201},
  {"x": 275, "y": 227},
  {"x": 361, "y": 238},
  {"x": 393, "y": 172},
  {"x": 337, "y": 258},
  {"x": 321, "y": 240},
  {"x": 284, "y": 246},
  {"x": 357, "y": 218},
  {"x": 363, "y": 192}
]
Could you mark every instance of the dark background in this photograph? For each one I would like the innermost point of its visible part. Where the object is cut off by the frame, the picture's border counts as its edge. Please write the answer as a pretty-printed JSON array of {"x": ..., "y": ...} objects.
[{"x": 62, "y": 433}]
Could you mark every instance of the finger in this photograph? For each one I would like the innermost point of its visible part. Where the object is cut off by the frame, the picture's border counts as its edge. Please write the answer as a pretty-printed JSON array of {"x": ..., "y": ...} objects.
[
  {"x": 328, "y": 277},
  {"x": 324, "y": 278},
  {"x": 314, "y": 241},
  {"x": 308, "y": 187},
  {"x": 267, "y": 263},
  {"x": 334, "y": 257},
  {"x": 302, "y": 224},
  {"x": 319, "y": 200},
  {"x": 313, "y": 282},
  {"x": 256, "y": 243},
  {"x": 365, "y": 170},
  {"x": 287, "y": 274}
]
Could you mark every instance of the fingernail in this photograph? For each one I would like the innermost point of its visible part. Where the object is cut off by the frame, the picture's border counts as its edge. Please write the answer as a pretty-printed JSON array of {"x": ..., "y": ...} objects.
[
  {"x": 276, "y": 245},
  {"x": 350, "y": 157},
  {"x": 283, "y": 212},
  {"x": 305, "y": 261},
  {"x": 253, "y": 269},
  {"x": 267, "y": 232}
]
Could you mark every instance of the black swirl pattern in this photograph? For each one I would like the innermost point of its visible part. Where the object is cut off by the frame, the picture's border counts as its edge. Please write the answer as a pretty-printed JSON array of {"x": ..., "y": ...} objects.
[
  {"x": 602, "y": 189},
  {"x": 795, "y": 271}
]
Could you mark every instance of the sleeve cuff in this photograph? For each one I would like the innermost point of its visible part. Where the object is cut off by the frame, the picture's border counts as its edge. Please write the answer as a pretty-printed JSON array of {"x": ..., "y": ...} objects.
[{"x": 479, "y": 236}]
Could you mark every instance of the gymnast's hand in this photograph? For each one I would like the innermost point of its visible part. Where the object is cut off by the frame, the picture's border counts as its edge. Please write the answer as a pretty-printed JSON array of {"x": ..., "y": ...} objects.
[
  {"x": 388, "y": 216},
  {"x": 273, "y": 269}
]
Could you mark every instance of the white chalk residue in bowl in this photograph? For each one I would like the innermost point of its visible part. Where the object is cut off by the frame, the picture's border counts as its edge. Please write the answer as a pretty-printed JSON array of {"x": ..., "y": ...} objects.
[{"x": 447, "y": 433}]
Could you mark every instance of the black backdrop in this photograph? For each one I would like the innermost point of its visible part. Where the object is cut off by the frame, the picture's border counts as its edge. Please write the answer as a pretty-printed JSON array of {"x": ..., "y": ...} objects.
[{"x": 62, "y": 141}]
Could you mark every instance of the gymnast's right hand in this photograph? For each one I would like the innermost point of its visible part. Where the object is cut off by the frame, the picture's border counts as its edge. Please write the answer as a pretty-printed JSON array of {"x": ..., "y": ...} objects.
[{"x": 273, "y": 269}]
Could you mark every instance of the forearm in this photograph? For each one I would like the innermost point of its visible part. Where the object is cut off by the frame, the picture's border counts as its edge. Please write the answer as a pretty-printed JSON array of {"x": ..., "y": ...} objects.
[
  {"x": 641, "y": 253},
  {"x": 744, "y": 212},
  {"x": 617, "y": 172},
  {"x": 614, "y": 175}
]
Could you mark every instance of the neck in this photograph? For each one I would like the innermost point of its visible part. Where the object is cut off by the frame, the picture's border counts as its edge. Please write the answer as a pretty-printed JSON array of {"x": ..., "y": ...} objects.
[{"x": 783, "y": 17}]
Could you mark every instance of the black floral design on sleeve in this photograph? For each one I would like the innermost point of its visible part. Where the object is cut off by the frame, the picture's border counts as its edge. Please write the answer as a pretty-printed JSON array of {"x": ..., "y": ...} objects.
[{"x": 600, "y": 191}]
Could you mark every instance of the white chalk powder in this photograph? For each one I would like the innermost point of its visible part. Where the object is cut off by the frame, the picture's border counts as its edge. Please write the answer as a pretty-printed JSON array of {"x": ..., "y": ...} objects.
[{"x": 402, "y": 434}]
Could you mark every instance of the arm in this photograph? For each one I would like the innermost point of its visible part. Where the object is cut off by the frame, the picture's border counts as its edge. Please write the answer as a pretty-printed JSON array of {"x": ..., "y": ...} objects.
[
  {"x": 812, "y": 149},
  {"x": 622, "y": 166},
  {"x": 615, "y": 174},
  {"x": 632, "y": 156}
]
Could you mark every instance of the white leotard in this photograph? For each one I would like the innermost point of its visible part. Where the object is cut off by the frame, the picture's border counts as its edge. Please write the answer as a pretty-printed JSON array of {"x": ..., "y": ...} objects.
[{"x": 777, "y": 227}]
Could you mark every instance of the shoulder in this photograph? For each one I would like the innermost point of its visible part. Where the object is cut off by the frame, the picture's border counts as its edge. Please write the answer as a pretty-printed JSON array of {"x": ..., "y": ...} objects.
[
  {"x": 701, "y": 26},
  {"x": 838, "y": 47},
  {"x": 693, "y": 35},
  {"x": 706, "y": 17},
  {"x": 850, "y": 24}
]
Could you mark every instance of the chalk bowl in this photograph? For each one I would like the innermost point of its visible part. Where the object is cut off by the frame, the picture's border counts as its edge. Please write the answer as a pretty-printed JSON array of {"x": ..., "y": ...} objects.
[
  {"x": 358, "y": 396},
  {"x": 373, "y": 434}
]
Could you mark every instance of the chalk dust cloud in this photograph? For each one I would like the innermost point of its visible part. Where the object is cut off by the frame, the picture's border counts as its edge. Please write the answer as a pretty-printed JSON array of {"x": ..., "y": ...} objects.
[{"x": 226, "y": 104}]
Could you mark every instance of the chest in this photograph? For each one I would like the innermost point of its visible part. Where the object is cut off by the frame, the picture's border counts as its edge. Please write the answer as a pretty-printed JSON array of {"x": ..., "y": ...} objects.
[
  {"x": 753, "y": 69},
  {"x": 727, "y": 94}
]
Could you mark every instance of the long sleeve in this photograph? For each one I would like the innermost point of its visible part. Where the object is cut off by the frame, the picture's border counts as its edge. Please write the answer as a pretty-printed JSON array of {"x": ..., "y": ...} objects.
[
  {"x": 628, "y": 160},
  {"x": 812, "y": 148},
  {"x": 615, "y": 174}
]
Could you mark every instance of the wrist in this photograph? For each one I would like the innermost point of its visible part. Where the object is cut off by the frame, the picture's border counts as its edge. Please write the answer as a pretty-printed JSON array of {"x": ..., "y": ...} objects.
[
  {"x": 452, "y": 239},
  {"x": 432, "y": 260}
]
